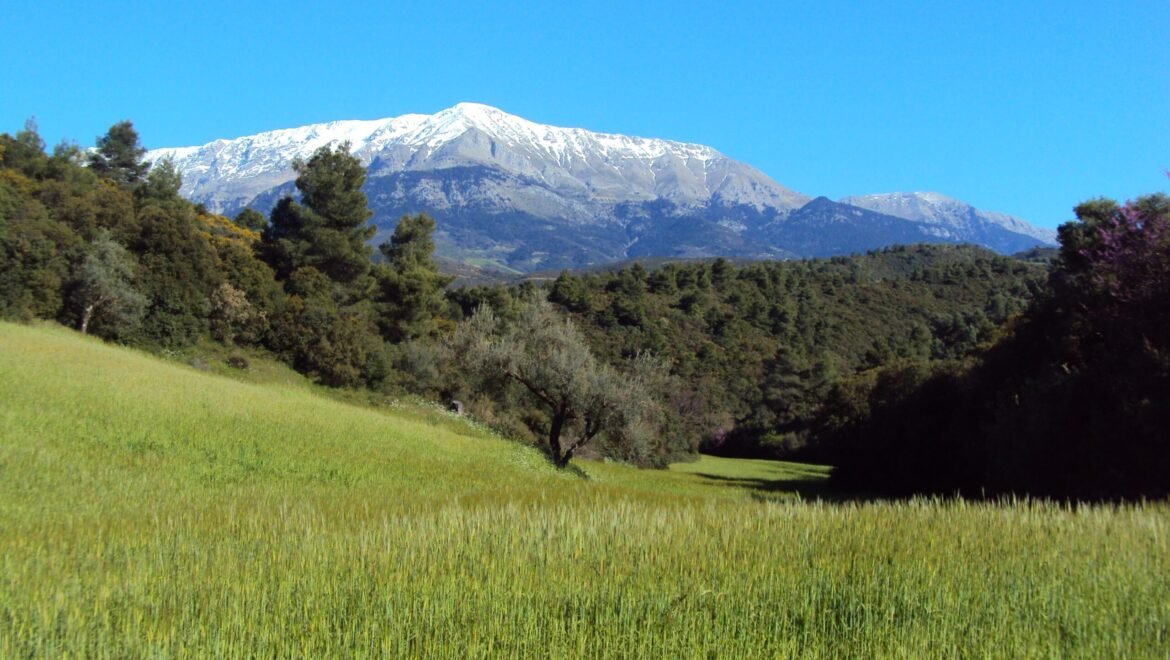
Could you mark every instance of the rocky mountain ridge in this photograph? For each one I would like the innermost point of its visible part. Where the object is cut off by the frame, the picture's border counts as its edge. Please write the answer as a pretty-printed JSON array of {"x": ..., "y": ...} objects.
[{"x": 519, "y": 196}]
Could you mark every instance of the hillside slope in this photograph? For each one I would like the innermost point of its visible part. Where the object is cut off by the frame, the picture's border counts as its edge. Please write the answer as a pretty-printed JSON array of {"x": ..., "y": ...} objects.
[
  {"x": 81, "y": 416},
  {"x": 150, "y": 509}
]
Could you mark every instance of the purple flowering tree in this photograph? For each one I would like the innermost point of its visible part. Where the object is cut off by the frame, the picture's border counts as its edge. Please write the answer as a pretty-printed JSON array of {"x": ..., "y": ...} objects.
[{"x": 1130, "y": 259}]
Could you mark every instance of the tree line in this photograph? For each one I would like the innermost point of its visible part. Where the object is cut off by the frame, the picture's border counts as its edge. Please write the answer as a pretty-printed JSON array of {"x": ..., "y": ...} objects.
[{"x": 103, "y": 242}]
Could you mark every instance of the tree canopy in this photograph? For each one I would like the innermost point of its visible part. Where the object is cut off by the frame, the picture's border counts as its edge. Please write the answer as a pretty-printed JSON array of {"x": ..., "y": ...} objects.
[
  {"x": 410, "y": 296},
  {"x": 1074, "y": 402},
  {"x": 329, "y": 228},
  {"x": 546, "y": 354},
  {"x": 119, "y": 155}
]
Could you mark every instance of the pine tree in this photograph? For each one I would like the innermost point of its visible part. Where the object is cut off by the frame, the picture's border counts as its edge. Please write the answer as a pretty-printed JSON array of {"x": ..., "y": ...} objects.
[
  {"x": 410, "y": 296},
  {"x": 329, "y": 229},
  {"x": 318, "y": 248},
  {"x": 119, "y": 155}
]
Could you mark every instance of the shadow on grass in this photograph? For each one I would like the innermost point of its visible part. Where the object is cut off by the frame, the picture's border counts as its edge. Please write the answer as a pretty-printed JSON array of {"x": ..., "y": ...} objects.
[
  {"x": 814, "y": 488},
  {"x": 573, "y": 470}
]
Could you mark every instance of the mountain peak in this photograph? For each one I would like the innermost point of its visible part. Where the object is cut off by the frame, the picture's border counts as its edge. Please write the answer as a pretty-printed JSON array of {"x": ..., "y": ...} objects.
[
  {"x": 947, "y": 214},
  {"x": 527, "y": 195},
  {"x": 571, "y": 162},
  {"x": 476, "y": 112},
  {"x": 917, "y": 197}
]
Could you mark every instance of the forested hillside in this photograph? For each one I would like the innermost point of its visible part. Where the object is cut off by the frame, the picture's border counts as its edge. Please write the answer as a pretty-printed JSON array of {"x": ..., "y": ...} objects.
[
  {"x": 103, "y": 243},
  {"x": 1073, "y": 402},
  {"x": 756, "y": 346}
]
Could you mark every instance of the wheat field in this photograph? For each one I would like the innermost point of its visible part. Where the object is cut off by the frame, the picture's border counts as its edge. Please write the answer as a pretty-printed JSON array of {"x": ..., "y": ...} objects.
[{"x": 149, "y": 509}]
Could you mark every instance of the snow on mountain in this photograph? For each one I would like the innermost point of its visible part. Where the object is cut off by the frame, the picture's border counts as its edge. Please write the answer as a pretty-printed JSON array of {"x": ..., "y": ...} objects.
[
  {"x": 580, "y": 164},
  {"x": 946, "y": 217},
  {"x": 524, "y": 196}
]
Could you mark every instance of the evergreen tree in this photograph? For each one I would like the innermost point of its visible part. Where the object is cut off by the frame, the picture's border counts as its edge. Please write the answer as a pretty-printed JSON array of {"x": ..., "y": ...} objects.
[
  {"x": 251, "y": 219},
  {"x": 35, "y": 255},
  {"x": 25, "y": 151},
  {"x": 179, "y": 274},
  {"x": 334, "y": 344},
  {"x": 162, "y": 183},
  {"x": 318, "y": 248},
  {"x": 119, "y": 155},
  {"x": 410, "y": 296},
  {"x": 329, "y": 229}
]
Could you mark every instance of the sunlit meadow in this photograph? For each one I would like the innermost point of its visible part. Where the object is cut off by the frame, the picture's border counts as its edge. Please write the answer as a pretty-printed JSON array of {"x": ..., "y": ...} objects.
[{"x": 151, "y": 509}]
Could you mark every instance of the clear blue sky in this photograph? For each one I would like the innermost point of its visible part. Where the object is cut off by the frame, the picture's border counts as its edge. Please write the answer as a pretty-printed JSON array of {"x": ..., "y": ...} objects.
[{"x": 1015, "y": 106}]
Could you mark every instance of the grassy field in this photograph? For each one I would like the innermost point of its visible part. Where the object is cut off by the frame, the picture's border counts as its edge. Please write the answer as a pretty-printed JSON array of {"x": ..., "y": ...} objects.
[{"x": 152, "y": 509}]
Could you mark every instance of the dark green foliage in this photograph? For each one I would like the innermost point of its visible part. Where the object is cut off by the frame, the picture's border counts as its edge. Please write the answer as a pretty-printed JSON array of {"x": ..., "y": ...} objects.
[
  {"x": 89, "y": 206},
  {"x": 332, "y": 343},
  {"x": 330, "y": 183},
  {"x": 162, "y": 183},
  {"x": 184, "y": 273},
  {"x": 329, "y": 229},
  {"x": 1074, "y": 402},
  {"x": 252, "y": 219},
  {"x": 756, "y": 349},
  {"x": 53, "y": 206},
  {"x": 287, "y": 237},
  {"x": 36, "y": 252},
  {"x": 50, "y": 208},
  {"x": 757, "y": 346},
  {"x": 779, "y": 421},
  {"x": 24, "y": 152},
  {"x": 410, "y": 297},
  {"x": 179, "y": 275},
  {"x": 119, "y": 155},
  {"x": 317, "y": 247},
  {"x": 569, "y": 292}
]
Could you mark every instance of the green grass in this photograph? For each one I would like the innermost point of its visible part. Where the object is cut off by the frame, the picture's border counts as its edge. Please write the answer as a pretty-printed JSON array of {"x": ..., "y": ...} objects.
[{"x": 152, "y": 509}]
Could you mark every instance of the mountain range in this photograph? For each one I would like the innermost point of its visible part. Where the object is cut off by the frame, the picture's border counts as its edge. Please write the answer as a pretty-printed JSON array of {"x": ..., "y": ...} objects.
[{"x": 518, "y": 196}]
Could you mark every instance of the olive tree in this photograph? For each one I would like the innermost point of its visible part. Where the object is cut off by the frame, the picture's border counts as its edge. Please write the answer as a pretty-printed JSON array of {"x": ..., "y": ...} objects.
[
  {"x": 104, "y": 288},
  {"x": 547, "y": 355}
]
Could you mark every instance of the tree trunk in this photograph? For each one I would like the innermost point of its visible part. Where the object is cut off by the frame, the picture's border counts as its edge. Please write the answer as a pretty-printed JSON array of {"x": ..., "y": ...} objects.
[
  {"x": 554, "y": 439},
  {"x": 86, "y": 316}
]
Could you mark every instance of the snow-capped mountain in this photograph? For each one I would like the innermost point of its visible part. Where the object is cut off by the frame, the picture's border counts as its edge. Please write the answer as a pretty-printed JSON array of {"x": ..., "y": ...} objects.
[
  {"x": 589, "y": 167},
  {"x": 947, "y": 217},
  {"x": 524, "y": 196}
]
